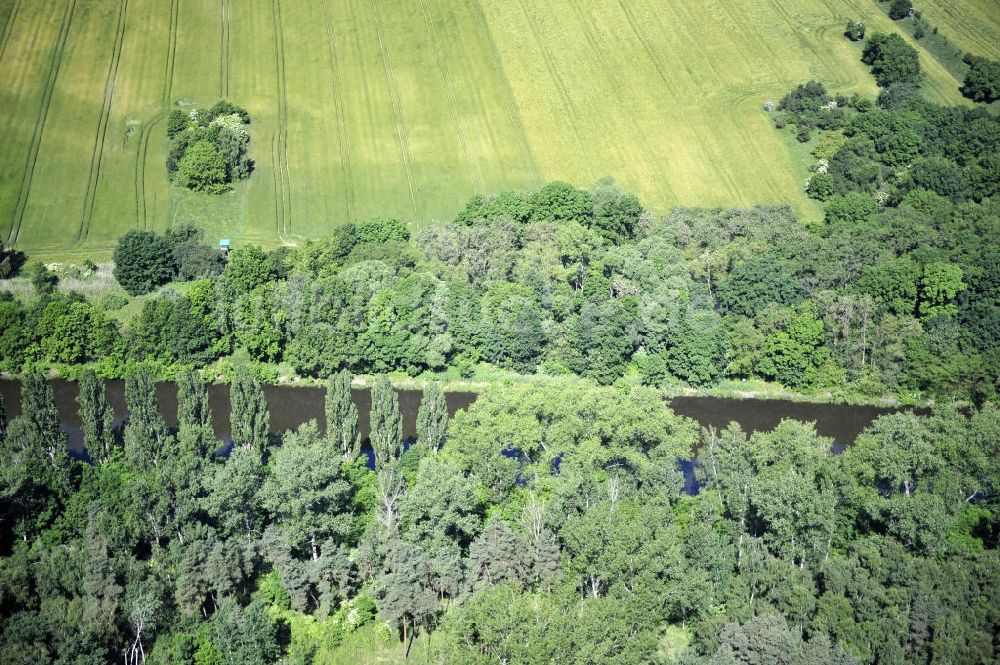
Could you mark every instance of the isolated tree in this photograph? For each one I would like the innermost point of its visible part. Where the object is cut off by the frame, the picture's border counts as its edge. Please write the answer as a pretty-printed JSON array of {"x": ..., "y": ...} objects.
[
  {"x": 342, "y": 416},
  {"x": 250, "y": 420},
  {"x": 97, "y": 416},
  {"x": 143, "y": 261},
  {"x": 432, "y": 417},
  {"x": 145, "y": 431},
  {"x": 385, "y": 423}
]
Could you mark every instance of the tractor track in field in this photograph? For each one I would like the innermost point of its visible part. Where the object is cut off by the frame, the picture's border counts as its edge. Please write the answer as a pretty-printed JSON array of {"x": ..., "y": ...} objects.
[
  {"x": 36, "y": 138},
  {"x": 279, "y": 141},
  {"x": 97, "y": 156},
  {"x": 715, "y": 157},
  {"x": 567, "y": 101},
  {"x": 475, "y": 176},
  {"x": 397, "y": 106},
  {"x": 606, "y": 66},
  {"x": 9, "y": 27},
  {"x": 224, "y": 49},
  {"x": 474, "y": 173},
  {"x": 974, "y": 31},
  {"x": 510, "y": 103},
  {"x": 836, "y": 76},
  {"x": 724, "y": 175},
  {"x": 338, "y": 104},
  {"x": 669, "y": 83},
  {"x": 142, "y": 213}
]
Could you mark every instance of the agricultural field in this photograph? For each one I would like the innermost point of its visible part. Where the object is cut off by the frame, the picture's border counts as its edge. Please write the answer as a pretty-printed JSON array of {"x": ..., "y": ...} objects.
[
  {"x": 407, "y": 107},
  {"x": 972, "y": 25}
]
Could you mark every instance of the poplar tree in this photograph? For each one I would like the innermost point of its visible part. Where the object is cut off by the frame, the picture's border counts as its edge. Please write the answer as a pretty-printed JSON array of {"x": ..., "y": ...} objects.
[
  {"x": 250, "y": 419},
  {"x": 145, "y": 430},
  {"x": 432, "y": 418},
  {"x": 342, "y": 416},
  {"x": 386, "y": 425},
  {"x": 194, "y": 415},
  {"x": 97, "y": 416}
]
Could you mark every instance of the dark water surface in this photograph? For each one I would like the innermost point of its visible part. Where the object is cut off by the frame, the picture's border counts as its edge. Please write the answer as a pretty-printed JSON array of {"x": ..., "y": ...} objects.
[
  {"x": 289, "y": 406},
  {"x": 292, "y": 406}
]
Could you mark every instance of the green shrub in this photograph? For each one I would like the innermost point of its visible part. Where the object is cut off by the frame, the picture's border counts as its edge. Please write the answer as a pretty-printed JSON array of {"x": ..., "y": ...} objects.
[{"x": 143, "y": 261}]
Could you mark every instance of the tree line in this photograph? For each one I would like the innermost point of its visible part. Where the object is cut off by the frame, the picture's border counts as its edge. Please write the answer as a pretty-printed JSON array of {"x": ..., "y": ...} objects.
[
  {"x": 896, "y": 291},
  {"x": 544, "y": 524}
]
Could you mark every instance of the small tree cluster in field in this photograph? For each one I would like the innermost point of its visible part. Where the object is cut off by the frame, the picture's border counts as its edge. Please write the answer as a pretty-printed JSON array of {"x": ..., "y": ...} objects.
[
  {"x": 855, "y": 31},
  {"x": 900, "y": 9},
  {"x": 982, "y": 82},
  {"x": 209, "y": 149},
  {"x": 892, "y": 60},
  {"x": 145, "y": 260}
]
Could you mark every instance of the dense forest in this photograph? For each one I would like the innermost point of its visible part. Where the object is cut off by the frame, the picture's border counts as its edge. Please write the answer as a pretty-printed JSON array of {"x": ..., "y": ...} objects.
[{"x": 547, "y": 523}]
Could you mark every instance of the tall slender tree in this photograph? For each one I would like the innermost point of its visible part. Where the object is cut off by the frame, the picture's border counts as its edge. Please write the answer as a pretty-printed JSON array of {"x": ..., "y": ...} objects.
[
  {"x": 432, "y": 418},
  {"x": 249, "y": 419},
  {"x": 194, "y": 415},
  {"x": 97, "y": 416},
  {"x": 38, "y": 406},
  {"x": 145, "y": 431},
  {"x": 342, "y": 416},
  {"x": 386, "y": 425},
  {"x": 40, "y": 435}
]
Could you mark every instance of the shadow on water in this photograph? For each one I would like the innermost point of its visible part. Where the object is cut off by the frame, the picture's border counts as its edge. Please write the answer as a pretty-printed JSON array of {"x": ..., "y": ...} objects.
[{"x": 291, "y": 406}]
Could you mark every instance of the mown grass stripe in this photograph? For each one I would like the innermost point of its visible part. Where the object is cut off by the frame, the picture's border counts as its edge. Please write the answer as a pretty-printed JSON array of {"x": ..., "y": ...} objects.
[
  {"x": 338, "y": 103},
  {"x": 475, "y": 176},
  {"x": 36, "y": 137},
  {"x": 564, "y": 96},
  {"x": 510, "y": 103},
  {"x": 9, "y": 27},
  {"x": 279, "y": 146},
  {"x": 397, "y": 109},
  {"x": 100, "y": 137}
]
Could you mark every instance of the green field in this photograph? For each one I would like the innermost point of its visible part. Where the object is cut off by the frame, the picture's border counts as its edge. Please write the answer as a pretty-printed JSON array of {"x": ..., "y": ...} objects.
[
  {"x": 972, "y": 25},
  {"x": 407, "y": 107}
]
